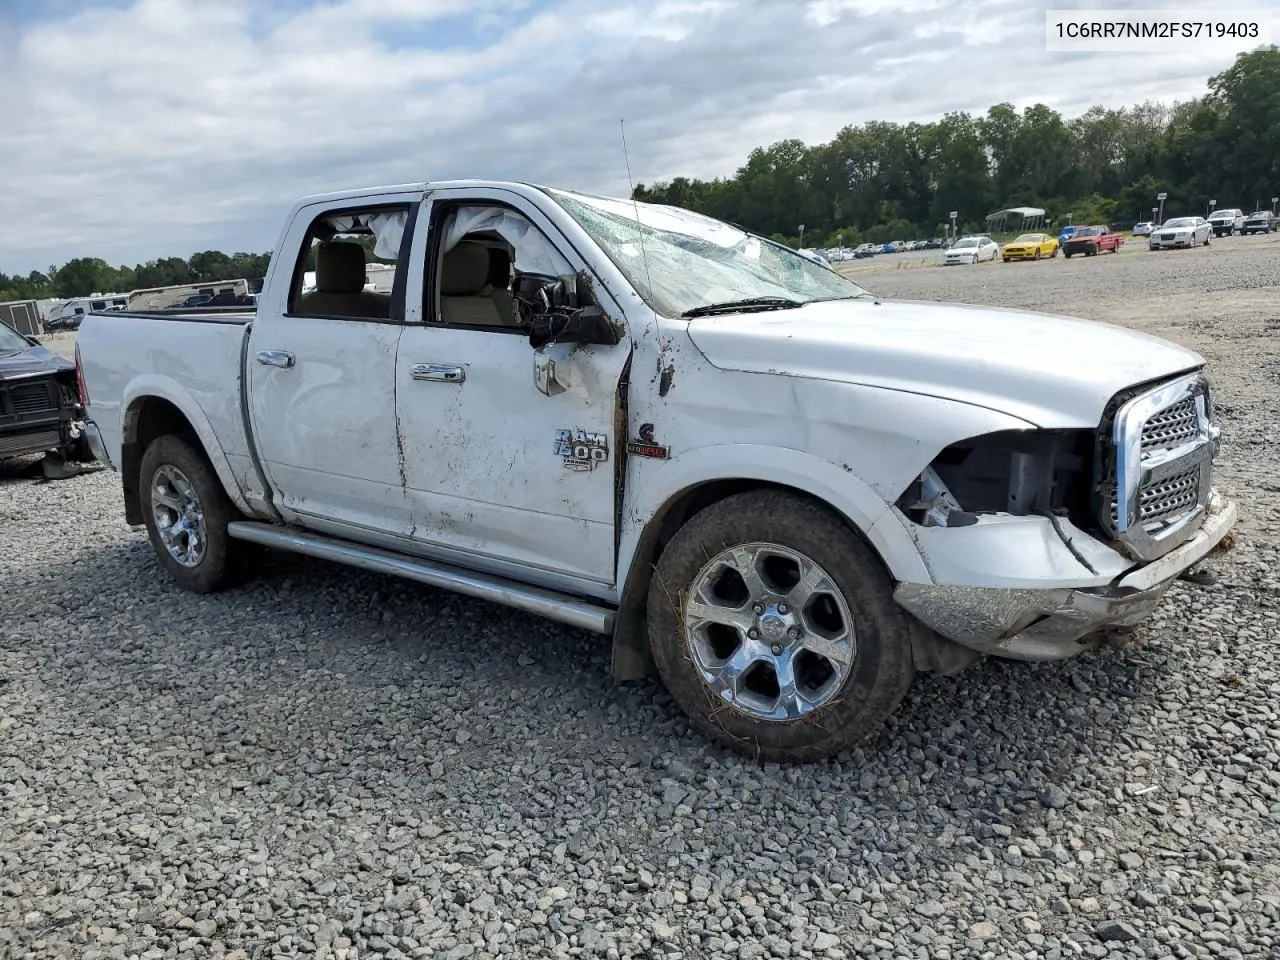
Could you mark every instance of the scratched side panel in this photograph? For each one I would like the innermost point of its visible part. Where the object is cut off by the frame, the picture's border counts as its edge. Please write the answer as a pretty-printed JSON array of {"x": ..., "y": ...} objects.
[
  {"x": 325, "y": 427},
  {"x": 488, "y": 467},
  {"x": 193, "y": 365},
  {"x": 854, "y": 447}
]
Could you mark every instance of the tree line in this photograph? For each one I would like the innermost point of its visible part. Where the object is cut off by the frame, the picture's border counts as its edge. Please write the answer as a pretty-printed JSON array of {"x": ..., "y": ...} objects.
[
  {"x": 88, "y": 275},
  {"x": 882, "y": 181}
]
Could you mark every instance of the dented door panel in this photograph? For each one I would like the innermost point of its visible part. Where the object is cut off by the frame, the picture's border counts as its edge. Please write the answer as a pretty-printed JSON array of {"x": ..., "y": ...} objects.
[{"x": 494, "y": 469}]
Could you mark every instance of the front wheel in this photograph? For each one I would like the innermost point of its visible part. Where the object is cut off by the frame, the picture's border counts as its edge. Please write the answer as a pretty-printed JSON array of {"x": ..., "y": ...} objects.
[
  {"x": 186, "y": 512},
  {"x": 775, "y": 630},
  {"x": 1037, "y": 253}
]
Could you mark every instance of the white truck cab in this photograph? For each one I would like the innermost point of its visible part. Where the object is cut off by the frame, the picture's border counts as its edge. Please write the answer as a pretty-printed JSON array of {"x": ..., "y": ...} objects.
[{"x": 779, "y": 491}]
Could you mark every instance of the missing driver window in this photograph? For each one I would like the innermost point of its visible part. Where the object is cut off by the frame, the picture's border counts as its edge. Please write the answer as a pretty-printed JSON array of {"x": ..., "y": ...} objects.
[{"x": 484, "y": 249}]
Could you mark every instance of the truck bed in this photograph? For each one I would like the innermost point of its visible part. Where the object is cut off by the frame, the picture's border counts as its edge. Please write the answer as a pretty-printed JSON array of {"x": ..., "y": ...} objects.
[{"x": 193, "y": 358}]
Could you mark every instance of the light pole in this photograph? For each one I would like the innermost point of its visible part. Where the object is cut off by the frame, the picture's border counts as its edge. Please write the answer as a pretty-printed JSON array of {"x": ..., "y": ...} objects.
[
  {"x": 802, "y": 235},
  {"x": 1160, "y": 197},
  {"x": 1274, "y": 201},
  {"x": 1212, "y": 204},
  {"x": 954, "y": 214}
]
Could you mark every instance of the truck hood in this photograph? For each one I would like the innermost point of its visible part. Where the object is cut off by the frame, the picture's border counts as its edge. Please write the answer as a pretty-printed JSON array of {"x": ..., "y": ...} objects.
[
  {"x": 30, "y": 362},
  {"x": 1050, "y": 371}
]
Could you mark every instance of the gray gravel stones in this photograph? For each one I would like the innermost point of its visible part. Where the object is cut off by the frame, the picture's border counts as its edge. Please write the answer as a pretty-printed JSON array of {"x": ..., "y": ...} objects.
[{"x": 277, "y": 771}]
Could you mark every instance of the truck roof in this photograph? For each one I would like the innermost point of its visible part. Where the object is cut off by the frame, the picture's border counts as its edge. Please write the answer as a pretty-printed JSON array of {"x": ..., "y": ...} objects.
[{"x": 518, "y": 186}]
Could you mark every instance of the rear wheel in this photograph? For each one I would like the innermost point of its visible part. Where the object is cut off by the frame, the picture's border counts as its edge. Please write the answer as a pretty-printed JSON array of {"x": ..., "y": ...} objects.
[
  {"x": 775, "y": 630},
  {"x": 187, "y": 512},
  {"x": 1037, "y": 253}
]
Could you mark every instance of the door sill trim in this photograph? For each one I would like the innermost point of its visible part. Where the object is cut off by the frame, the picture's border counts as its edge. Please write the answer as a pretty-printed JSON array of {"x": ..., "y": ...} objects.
[{"x": 559, "y": 607}]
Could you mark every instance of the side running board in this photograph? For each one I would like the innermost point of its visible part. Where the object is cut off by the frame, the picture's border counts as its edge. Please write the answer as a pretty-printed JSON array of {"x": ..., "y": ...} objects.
[{"x": 544, "y": 603}]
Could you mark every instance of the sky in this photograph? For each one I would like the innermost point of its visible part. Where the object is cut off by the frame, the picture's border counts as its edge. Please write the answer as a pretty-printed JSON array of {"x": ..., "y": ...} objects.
[{"x": 137, "y": 129}]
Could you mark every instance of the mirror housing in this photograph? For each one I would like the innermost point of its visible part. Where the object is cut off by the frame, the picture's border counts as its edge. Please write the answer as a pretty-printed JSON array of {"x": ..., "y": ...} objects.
[{"x": 587, "y": 325}]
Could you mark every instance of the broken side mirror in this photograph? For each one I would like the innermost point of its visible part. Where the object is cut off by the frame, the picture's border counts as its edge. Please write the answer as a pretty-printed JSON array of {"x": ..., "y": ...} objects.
[{"x": 584, "y": 325}]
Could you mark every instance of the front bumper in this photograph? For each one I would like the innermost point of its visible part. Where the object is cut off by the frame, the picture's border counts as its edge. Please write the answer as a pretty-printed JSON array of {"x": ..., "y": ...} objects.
[{"x": 1050, "y": 624}]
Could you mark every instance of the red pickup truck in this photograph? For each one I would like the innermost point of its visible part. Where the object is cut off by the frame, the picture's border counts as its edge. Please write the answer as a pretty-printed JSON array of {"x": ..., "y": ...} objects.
[{"x": 1091, "y": 240}]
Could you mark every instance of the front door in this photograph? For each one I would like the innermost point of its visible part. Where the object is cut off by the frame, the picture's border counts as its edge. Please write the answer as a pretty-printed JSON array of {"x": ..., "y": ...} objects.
[
  {"x": 322, "y": 375},
  {"x": 496, "y": 471}
]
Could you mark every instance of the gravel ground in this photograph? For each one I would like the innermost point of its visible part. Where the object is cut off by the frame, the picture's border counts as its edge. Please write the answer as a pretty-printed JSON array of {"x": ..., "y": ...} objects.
[{"x": 338, "y": 764}]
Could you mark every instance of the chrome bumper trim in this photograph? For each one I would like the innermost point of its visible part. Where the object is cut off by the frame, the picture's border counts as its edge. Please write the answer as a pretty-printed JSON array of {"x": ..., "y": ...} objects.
[
  {"x": 1050, "y": 624},
  {"x": 96, "y": 444}
]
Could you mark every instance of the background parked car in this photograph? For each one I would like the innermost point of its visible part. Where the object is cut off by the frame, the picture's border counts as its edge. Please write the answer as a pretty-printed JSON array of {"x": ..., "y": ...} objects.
[
  {"x": 971, "y": 250},
  {"x": 1093, "y": 240},
  {"x": 1143, "y": 229},
  {"x": 1225, "y": 222},
  {"x": 1260, "y": 221},
  {"x": 1181, "y": 232},
  {"x": 1030, "y": 246},
  {"x": 1066, "y": 233}
]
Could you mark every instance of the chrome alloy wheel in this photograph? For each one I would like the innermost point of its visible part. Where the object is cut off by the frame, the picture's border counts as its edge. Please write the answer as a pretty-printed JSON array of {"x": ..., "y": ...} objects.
[
  {"x": 178, "y": 515},
  {"x": 769, "y": 631}
]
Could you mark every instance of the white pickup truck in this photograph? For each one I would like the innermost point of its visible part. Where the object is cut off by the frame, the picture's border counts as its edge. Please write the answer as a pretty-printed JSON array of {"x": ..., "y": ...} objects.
[
  {"x": 779, "y": 491},
  {"x": 1227, "y": 222}
]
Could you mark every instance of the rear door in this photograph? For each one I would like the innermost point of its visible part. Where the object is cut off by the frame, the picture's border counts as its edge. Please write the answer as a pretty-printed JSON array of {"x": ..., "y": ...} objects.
[
  {"x": 321, "y": 368},
  {"x": 500, "y": 475}
]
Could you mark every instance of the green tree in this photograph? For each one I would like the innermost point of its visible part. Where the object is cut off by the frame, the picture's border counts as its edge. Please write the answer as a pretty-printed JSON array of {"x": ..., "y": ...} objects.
[{"x": 81, "y": 277}]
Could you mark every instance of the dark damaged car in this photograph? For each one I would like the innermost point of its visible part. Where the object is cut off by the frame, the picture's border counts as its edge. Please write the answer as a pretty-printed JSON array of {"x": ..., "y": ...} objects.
[{"x": 41, "y": 409}]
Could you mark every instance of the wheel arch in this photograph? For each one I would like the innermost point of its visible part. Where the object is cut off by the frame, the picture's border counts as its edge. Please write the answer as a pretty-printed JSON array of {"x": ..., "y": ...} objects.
[
  {"x": 154, "y": 411},
  {"x": 860, "y": 514}
]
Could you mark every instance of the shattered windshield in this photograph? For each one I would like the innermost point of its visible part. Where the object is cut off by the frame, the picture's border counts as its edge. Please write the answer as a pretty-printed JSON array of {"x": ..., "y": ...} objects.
[{"x": 682, "y": 262}]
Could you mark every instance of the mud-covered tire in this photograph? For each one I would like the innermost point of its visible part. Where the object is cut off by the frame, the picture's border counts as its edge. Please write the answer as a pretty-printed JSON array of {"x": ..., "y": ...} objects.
[
  {"x": 881, "y": 667},
  {"x": 223, "y": 561}
]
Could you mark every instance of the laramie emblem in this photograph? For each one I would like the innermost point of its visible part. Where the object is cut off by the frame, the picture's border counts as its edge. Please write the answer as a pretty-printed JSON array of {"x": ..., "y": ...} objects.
[{"x": 580, "y": 450}]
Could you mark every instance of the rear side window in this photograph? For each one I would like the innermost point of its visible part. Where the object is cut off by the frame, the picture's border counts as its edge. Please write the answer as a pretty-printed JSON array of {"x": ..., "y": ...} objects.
[{"x": 347, "y": 265}]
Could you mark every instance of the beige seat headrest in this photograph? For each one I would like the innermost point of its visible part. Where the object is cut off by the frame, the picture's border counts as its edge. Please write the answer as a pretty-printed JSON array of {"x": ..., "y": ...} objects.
[
  {"x": 465, "y": 270},
  {"x": 340, "y": 267}
]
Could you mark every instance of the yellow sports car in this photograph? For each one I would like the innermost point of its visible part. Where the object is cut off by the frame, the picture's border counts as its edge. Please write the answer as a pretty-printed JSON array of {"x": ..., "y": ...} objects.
[{"x": 1030, "y": 246}]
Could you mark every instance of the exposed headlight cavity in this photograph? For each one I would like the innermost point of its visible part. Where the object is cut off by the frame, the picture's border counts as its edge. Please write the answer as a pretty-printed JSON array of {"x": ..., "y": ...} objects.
[{"x": 1015, "y": 472}]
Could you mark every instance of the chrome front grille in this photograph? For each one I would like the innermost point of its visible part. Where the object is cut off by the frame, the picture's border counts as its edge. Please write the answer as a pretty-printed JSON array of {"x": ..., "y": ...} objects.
[
  {"x": 1169, "y": 498},
  {"x": 1156, "y": 478},
  {"x": 1170, "y": 428}
]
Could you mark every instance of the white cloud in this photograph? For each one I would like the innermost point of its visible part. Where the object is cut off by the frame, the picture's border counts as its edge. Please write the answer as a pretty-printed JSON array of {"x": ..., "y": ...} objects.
[{"x": 170, "y": 126}]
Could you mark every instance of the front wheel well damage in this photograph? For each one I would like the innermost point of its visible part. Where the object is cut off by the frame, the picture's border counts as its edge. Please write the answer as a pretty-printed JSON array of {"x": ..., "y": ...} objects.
[
  {"x": 145, "y": 421},
  {"x": 631, "y": 659}
]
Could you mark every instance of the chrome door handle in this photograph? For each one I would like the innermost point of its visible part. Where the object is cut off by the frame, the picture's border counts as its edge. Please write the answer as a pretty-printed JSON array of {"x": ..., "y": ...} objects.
[
  {"x": 438, "y": 372},
  {"x": 275, "y": 358}
]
